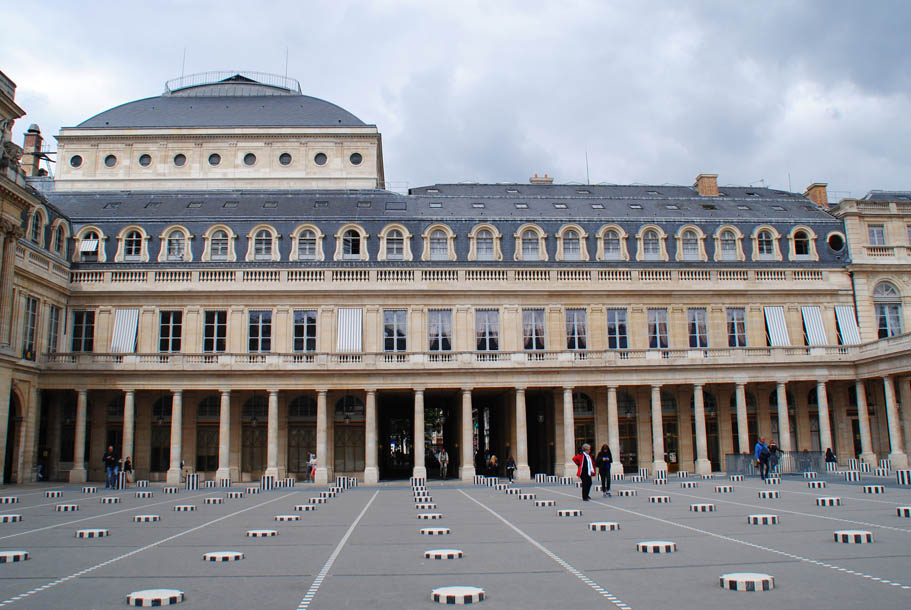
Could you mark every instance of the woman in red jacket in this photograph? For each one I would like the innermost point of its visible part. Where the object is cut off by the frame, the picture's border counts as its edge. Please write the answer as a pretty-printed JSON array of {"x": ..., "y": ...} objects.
[{"x": 586, "y": 469}]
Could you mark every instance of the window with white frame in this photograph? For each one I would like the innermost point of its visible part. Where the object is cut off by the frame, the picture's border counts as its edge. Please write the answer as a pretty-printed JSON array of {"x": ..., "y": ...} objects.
[
  {"x": 728, "y": 245},
  {"x": 651, "y": 245},
  {"x": 83, "y": 331},
  {"x": 439, "y": 330},
  {"x": 801, "y": 244},
  {"x": 306, "y": 245},
  {"x": 439, "y": 245},
  {"x": 690, "y": 245},
  {"x": 572, "y": 246},
  {"x": 530, "y": 246},
  {"x": 887, "y": 300},
  {"x": 877, "y": 235},
  {"x": 351, "y": 245},
  {"x": 132, "y": 246},
  {"x": 487, "y": 330},
  {"x": 53, "y": 328},
  {"x": 617, "y": 329},
  {"x": 88, "y": 247},
  {"x": 576, "y": 329},
  {"x": 262, "y": 245},
  {"x": 215, "y": 331},
  {"x": 259, "y": 336},
  {"x": 612, "y": 251},
  {"x": 219, "y": 245},
  {"x": 37, "y": 228},
  {"x": 657, "y": 328},
  {"x": 737, "y": 330},
  {"x": 304, "y": 330},
  {"x": 395, "y": 245},
  {"x": 395, "y": 332},
  {"x": 485, "y": 245},
  {"x": 176, "y": 245},
  {"x": 765, "y": 245},
  {"x": 30, "y": 334},
  {"x": 533, "y": 329},
  {"x": 170, "y": 331},
  {"x": 59, "y": 240},
  {"x": 697, "y": 325}
]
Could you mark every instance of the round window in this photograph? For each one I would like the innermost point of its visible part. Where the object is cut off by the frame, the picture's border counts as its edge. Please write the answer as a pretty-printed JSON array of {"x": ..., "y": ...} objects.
[
  {"x": 145, "y": 160},
  {"x": 249, "y": 159},
  {"x": 214, "y": 159},
  {"x": 320, "y": 158},
  {"x": 356, "y": 158},
  {"x": 836, "y": 242},
  {"x": 76, "y": 161},
  {"x": 284, "y": 159},
  {"x": 110, "y": 160},
  {"x": 180, "y": 160}
]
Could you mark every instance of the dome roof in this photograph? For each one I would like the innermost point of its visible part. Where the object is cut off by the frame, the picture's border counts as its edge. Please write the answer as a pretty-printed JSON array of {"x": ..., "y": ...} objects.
[{"x": 236, "y": 101}]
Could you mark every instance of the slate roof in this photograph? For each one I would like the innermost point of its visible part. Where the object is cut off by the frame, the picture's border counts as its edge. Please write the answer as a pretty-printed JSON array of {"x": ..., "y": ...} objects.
[{"x": 887, "y": 196}]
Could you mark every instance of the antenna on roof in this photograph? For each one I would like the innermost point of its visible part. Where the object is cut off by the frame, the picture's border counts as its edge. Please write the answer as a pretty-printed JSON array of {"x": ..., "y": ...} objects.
[
  {"x": 286, "y": 62},
  {"x": 789, "y": 182},
  {"x": 587, "y": 178},
  {"x": 183, "y": 62}
]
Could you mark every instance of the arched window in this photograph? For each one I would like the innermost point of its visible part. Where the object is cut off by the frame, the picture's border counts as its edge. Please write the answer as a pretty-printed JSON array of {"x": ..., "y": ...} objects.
[
  {"x": 583, "y": 405},
  {"x": 439, "y": 245},
  {"x": 37, "y": 228},
  {"x": 88, "y": 247},
  {"x": 302, "y": 407},
  {"x": 765, "y": 244},
  {"x": 801, "y": 244},
  {"x": 690, "y": 245},
  {"x": 485, "y": 245},
  {"x": 572, "y": 247},
  {"x": 887, "y": 300},
  {"x": 395, "y": 245},
  {"x": 651, "y": 245},
  {"x": 351, "y": 245},
  {"x": 262, "y": 245},
  {"x": 132, "y": 246},
  {"x": 612, "y": 250},
  {"x": 530, "y": 250},
  {"x": 255, "y": 409},
  {"x": 176, "y": 245},
  {"x": 60, "y": 240},
  {"x": 306, "y": 245},
  {"x": 220, "y": 246},
  {"x": 348, "y": 408},
  {"x": 728, "y": 245}
]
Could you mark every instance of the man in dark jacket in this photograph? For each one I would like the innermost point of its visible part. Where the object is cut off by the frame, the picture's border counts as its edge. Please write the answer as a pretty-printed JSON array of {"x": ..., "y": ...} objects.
[
  {"x": 761, "y": 453},
  {"x": 110, "y": 465}
]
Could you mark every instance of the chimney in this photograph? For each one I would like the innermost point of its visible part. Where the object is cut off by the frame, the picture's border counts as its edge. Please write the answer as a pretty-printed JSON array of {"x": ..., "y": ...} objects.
[
  {"x": 541, "y": 180},
  {"x": 31, "y": 155},
  {"x": 707, "y": 185},
  {"x": 816, "y": 193}
]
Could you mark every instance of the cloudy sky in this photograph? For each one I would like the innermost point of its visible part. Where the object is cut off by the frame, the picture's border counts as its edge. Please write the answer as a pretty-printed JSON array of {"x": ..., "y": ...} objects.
[{"x": 654, "y": 92}]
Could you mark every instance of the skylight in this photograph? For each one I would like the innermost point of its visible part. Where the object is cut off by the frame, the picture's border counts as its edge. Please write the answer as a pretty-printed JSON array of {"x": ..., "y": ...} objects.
[
  {"x": 672, "y": 206},
  {"x": 230, "y": 204},
  {"x": 597, "y": 206},
  {"x": 270, "y": 204},
  {"x": 364, "y": 204},
  {"x": 477, "y": 205},
  {"x": 521, "y": 205},
  {"x": 635, "y": 206},
  {"x": 436, "y": 204},
  {"x": 560, "y": 206},
  {"x": 194, "y": 204}
]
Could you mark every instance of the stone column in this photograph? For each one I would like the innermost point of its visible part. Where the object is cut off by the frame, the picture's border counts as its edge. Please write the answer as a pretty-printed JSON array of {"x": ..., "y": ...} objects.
[
  {"x": 569, "y": 434},
  {"x": 897, "y": 457},
  {"x": 904, "y": 399},
  {"x": 863, "y": 421},
  {"x": 321, "y": 476},
  {"x": 272, "y": 435},
  {"x": 784, "y": 418},
  {"x": 703, "y": 465},
  {"x": 466, "y": 467},
  {"x": 613, "y": 430},
  {"x": 523, "y": 472},
  {"x": 129, "y": 424},
  {"x": 743, "y": 431},
  {"x": 224, "y": 437},
  {"x": 559, "y": 453},
  {"x": 371, "y": 472},
  {"x": 7, "y": 270},
  {"x": 77, "y": 474},
  {"x": 420, "y": 469},
  {"x": 173, "y": 476},
  {"x": 658, "y": 462},
  {"x": 825, "y": 430}
]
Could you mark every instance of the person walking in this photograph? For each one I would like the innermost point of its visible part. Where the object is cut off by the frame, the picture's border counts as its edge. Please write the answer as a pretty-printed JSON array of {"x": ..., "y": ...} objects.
[
  {"x": 493, "y": 466},
  {"x": 830, "y": 456},
  {"x": 761, "y": 453},
  {"x": 109, "y": 459},
  {"x": 586, "y": 470},
  {"x": 603, "y": 462},
  {"x": 128, "y": 470},
  {"x": 443, "y": 459},
  {"x": 510, "y": 468},
  {"x": 774, "y": 456}
]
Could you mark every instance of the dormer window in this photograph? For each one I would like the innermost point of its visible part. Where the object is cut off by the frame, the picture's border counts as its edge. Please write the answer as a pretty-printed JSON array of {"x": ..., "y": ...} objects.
[
  {"x": 690, "y": 245},
  {"x": 530, "y": 250},
  {"x": 306, "y": 245},
  {"x": 88, "y": 248},
  {"x": 132, "y": 246},
  {"x": 572, "y": 249},
  {"x": 612, "y": 245},
  {"x": 728, "y": 245},
  {"x": 765, "y": 245},
  {"x": 351, "y": 245},
  {"x": 37, "y": 228},
  {"x": 219, "y": 246},
  {"x": 439, "y": 245},
  {"x": 262, "y": 246},
  {"x": 395, "y": 245},
  {"x": 801, "y": 244},
  {"x": 651, "y": 245},
  {"x": 485, "y": 245},
  {"x": 60, "y": 240},
  {"x": 176, "y": 245}
]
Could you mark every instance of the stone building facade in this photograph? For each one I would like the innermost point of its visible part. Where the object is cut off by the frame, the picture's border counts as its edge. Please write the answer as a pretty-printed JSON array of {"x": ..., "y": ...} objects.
[{"x": 218, "y": 276}]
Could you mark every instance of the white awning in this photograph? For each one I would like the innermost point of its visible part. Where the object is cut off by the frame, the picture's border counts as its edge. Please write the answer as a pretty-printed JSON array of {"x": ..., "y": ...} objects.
[
  {"x": 350, "y": 329},
  {"x": 126, "y": 321},
  {"x": 847, "y": 324},
  {"x": 777, "y": 328},
  {"x": 88, "y": 245},
  {"x": 812, "y": 323}
]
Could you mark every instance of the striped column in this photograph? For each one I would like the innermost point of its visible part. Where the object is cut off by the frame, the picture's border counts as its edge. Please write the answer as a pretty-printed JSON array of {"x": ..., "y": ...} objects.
[
  {"x": 224, "y": 437},
  {"x": 272, "y": 435},
  {"x": 897, "y": 457},
  {"x": 173, "y": 476},
  {"x": 78, "y": 474},
  {"x": 863, "y": 421}
]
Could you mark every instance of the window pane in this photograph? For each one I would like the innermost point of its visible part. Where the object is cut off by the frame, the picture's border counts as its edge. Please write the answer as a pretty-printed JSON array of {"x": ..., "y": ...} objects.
[
  {"x": 533, "y": 329},
  {"x": 260, "y": 331},
  {"x": 616, "y": 329},
  {"x": 485, "y": 245},
  {"x": 697, "y": 328},
  {"x": 529, "y": 246},
  {"x": 305, "y": 331},
  {"x": 215, "y": 331},
  {"x": 657, "y": 328},
  {"x": 440, "y": 330},
  {"x": 575, "y": 329},
  {"x": 170, "y": 330},
  {"x": 487, "y": 327},
  {"x": 394, "y": 330},
  {"x": 737, "y": 336}
]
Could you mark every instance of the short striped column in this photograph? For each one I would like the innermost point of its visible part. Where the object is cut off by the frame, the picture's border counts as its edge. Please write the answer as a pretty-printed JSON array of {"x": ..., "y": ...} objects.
[
  {"x": 551, "y": 478},
  {"x": 226, "y": 482},
  {"x": 626, "y": 493},
  {"x": 53, "y": 494},
  {"x": 210, "y": 484},
  {"x": 762, "y": 519},
  {"x": 661, "y": 474},
  {"x": 569, "y": 512},
  {"x": 222, "y": 556},
  {"x": 635, "y": 478},
  {"x": 192, "y": 482},
  {"x": 881, "y": 472},
  {"x": 214, "y": 500},
  {"x": 143, "y": 483},
  {"x": 341, "y": 482},
  {"x": 460, "y": 596},
  {"x": 660, "y": 481},
  {"x": 809, "y": 475},
  {"x": 769, "y": 494},
  {"x": 89, "y": 490},
  {"x": 903, "y": 477},
  {"x": 13, "y": 556},
  {"x": 682, "y": 474},
  {"x": 420, "y": 481},
  {"x": 724, "y": 489},
  {"x": 478, "y": 479},
  {"x": 267, "y": 482},
  {"x": 853, "y": 536},
  {"x": 543, "y": 503},
  {"x": 170, "y": 490},
  {"x": 262, "y": 533},
  {"x": 184, "y": 508},
  {"x": 429, "y": 516},
  {"x": 816, "y": 484},
  {"x": 305, "y": 508},
  {"x": 747, "y": 581},
  {"x": 864, "y": 467},
  {"x": 874, "y": 489},
  {"x": 352, "y": 482},
  {"x": 235, "y": 495},
  {"x": 689, "y": 484},
  {"x": 707, "y": 477},
  {"x": 643, "y": 472},
  {"x": 828, "y": 501},
  {"x": 501, "y": 486},
  {"x": 853, "y": 464},
  {"x": 10, "y": 518},
  {"x": 66, "y": 508},
  {"x": 122, "y": 480},
  {"x": 851, "y": 475},
  {"x": 144, "y": 494},
  {"x": 289, "y": 481},
  {"x": 443, "y": 554},
  {"x": 526, "y": 496},
  {"x": 435, "y": 531},
  {"x": 659, "y": 499},
  {"x": 146, "y": 518},
  {"x": 155, "y": 597},
  {"x": 656, "y": 546},
  {"x": 903, "y": 511},
  {"x": 885, "y": 464},
  {"x": 773, "y": 481},
  {"x": 617, "y": 476},
  {"x": 110, "y": 499},
  {"x": 566, "y": 481},
  {"x": 93, "y": 533},
  {"x": 252, "y": 490},
  {"x": 831, "y": 467},
  {"x": 540, "y": 478},
  {"x": 702, "y": 508},
  {"x": 604, "y": 526},
  {"x": 736, "y": 478}
]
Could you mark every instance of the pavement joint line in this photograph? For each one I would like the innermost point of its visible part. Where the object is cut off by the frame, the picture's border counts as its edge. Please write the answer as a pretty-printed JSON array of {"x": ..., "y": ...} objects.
[
  {"x": 566, "y": 566},
  {"x": 321, "y": 576},
  {"x": 796, "y": 512},
  {"x": 136, "y": 551},
  {"x": 749, "y": 544},
  {"x": 860, "y": 498},
  {"x": 116, "y": 512}
]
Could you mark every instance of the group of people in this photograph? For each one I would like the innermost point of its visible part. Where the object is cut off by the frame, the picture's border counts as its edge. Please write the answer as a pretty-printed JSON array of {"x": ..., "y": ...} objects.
[
  {"x": 113, "y": 466},
  {"x": 589, "y": 466},
  {"x": 766, "y": 456}
]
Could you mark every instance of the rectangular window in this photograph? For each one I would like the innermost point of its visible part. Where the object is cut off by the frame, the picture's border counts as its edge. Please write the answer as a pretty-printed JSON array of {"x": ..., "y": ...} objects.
[
  {"x": 888, "y": 319},
  {"x": 657, "y": 328},
  {"x": 737, "y": 328},
  {"x": 215, "y": 331},
  {"x": 575, "y": 329},
  {"x": 305, "y": 330},
  {"x": 533, "y": 329},
  {"x": 170, "y": 331},
  {"x": 698, "y": 328},
  {"x": 53, "y": 328},
  {"x": 877, "y": 235},
  {"x": 440, "y": 330},
  {"x": 350, "y": 329},
  {"x": 487, "y": 329},
  {"x": 31, "y": 328},
  {"x": 260, "y": 332},
  {"x": 814, "y": 333},
  {"x": 485, "y": 246},
  {"x": 776, "y": 327},
  {"x": 83, "y": 331},
  {"x": 616, "y": 329},
  {"x": 848, "y": 333},
  {"x": 394, "y": 330}
]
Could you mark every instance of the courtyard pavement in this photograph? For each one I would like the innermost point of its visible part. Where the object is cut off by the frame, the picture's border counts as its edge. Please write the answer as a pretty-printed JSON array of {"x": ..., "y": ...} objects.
[{"x": 363, "y": 548}]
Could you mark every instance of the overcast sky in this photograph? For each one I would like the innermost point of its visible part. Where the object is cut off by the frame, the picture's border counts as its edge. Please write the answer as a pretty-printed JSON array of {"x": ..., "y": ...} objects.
[{"x": 493, "y": 91}]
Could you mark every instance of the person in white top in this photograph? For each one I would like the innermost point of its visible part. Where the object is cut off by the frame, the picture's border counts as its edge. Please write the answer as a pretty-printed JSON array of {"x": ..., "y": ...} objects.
[{"x": 586, "y": 469}]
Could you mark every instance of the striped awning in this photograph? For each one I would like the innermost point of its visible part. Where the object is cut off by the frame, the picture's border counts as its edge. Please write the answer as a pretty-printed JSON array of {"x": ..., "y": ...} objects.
[
  {"x": 812, "y": 323},
  {"x": 126, "y": 322},
  {"x": 847, "y": 324},
  {"x": 350, "y": 329},
  {"x": 776, "y": 326},
  {"x": 88, "y": 245}
]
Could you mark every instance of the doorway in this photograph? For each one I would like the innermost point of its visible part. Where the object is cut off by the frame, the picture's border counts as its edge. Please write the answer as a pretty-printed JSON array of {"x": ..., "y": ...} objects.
[
  {"x": 15, "y": 408},
  {"x": 396, "y": 435}
]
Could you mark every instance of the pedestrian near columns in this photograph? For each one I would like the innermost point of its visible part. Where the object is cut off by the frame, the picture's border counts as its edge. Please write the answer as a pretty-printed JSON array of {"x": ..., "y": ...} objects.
[
  {"x": 586, "y": 470},
  {"x": 603, "y": 462},
  {"x": 761, "y": 453},
  {"x": 109, "y": 459},
  {"x": 443, "y": 458}
]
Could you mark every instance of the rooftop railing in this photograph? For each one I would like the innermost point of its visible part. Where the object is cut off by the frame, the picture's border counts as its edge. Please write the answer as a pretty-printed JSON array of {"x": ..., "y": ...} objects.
[{"x": 211, "y": 78}]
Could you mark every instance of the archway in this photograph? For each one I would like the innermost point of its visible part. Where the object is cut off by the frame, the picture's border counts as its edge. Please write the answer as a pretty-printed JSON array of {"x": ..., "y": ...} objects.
[{"x": 10, "y": 467}]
